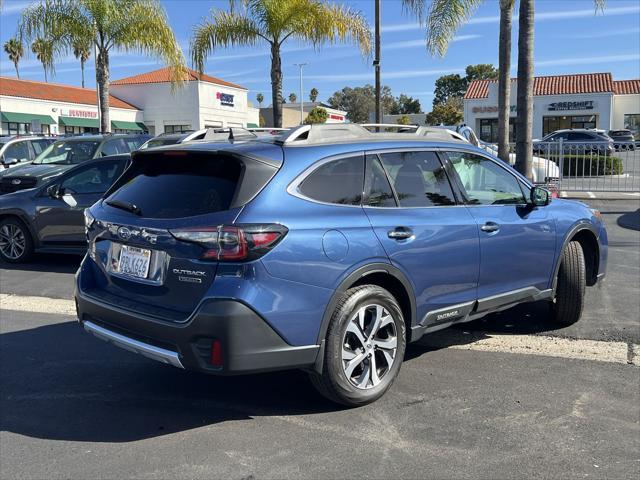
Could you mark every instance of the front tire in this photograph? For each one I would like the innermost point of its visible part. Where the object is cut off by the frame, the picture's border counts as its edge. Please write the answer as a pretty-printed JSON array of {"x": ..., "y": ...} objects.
[
  {"x": 16, "y": 244},
  {"x": 364, "y": 347},
  {"x": 570, "y": 285}
]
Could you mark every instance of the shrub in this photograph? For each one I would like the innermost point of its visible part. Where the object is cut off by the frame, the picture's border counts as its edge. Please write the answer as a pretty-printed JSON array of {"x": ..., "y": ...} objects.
[
  {"x": 317, "y": 115},
  {"x": 591, "y": 165}
]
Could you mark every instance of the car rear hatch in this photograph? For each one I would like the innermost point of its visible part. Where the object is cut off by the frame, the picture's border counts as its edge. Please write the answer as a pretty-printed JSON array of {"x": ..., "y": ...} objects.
[{"x": 154, "y": 237}]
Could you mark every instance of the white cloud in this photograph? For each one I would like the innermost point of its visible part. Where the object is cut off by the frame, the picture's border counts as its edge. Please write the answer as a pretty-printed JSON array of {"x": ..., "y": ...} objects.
[
  {"x": 386, "y": 75},
  {"x": 421, "y": 42},
  {"x": 602, "y": 34},
  {"x": 605, "y": 59}
]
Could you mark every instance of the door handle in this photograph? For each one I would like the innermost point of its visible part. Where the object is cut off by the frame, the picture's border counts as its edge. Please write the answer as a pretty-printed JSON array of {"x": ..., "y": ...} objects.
[
  {"x": 490, "y": 227},
  {"x": 400, "y": 233}
]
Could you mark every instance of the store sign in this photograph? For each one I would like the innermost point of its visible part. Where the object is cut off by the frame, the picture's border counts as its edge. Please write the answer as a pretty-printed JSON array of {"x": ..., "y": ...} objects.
[
  {"x": 79, "y": 113},
  {"x": 333, "y": 116},
  {"x": 561, "y": 106},
  {"x": 226, "y": 99},
  {"x": 492, "y": 109}
]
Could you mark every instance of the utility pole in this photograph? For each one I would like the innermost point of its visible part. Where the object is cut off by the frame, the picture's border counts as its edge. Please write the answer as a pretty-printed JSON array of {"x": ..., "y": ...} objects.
[
  {"x": 300, "y": 65},
  {"x": 376, "y": 64}
]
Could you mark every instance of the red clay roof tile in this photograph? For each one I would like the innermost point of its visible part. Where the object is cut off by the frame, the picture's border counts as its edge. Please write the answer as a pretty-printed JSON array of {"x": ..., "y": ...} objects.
[{"x": 163, "y": 75}]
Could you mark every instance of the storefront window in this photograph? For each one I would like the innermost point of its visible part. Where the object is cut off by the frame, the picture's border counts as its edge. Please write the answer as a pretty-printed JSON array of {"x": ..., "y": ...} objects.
[
  {"x": 551, "y": 124},
  {"x": 177, "y": 128},
  {"x": 489, "y": 130},
  {"x": 632, "y": 122}
]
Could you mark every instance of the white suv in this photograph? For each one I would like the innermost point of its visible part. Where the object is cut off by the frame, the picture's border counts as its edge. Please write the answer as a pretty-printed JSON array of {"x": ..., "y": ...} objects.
[{"x": 16, "y": 150}]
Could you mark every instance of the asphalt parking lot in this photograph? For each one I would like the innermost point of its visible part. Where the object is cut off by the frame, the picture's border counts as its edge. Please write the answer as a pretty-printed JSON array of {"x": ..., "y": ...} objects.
[{"x": 503, "y": 397}]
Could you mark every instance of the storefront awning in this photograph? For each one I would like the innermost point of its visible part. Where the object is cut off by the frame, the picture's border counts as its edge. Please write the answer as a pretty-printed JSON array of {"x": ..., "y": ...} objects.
[
  {"x": 79, "y": 122},
  {"x": 26, "y": 118},
  {"x": 121, "y": 125},
  {"x": 252, "y": 125}
]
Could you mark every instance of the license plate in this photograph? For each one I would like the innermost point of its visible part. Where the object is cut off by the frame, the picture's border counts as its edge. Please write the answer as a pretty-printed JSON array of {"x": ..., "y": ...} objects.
[{"x": 134, "y": 261}]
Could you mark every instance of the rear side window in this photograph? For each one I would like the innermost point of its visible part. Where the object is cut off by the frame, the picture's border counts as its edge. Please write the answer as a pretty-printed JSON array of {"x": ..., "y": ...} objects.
[
  {"x": 418, "y": 178},
  {"x": 338, "y": 181},
  {"x": 180, "y": 186},
  {"x": 379, "y": 192}
]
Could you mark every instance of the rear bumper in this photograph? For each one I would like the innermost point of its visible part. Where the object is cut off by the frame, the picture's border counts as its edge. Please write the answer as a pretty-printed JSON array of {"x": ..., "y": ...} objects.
[{"x": 248, "y": 343}]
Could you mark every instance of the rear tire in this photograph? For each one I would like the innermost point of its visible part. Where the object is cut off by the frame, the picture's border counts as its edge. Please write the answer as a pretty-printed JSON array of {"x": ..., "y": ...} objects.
[
  {"x": 364, "y": 347},
  {"x": 16, "y": 244},
  {"x": 570, "y": 286}
]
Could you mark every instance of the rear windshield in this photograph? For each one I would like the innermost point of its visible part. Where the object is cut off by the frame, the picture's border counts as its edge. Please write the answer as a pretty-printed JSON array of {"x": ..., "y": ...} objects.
[
  {"x": 68, "y": 153},
  {"x": 165, "y": 186}
]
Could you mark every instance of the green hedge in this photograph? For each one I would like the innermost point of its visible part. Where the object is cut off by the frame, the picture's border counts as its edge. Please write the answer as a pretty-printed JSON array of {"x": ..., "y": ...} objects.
[{"x": 591, "y": 165}]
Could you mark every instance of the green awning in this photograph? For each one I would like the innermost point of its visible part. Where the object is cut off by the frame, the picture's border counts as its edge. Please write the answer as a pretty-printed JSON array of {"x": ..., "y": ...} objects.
[
  {"x": 252, "y": 125},
  {"x": 26, "y": 118},
  {"x": 79, "y": 122},
  {"x": 122, "y": 125}
]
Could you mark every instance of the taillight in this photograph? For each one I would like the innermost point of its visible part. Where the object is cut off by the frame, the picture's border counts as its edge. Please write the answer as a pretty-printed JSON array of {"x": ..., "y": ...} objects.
[{"x": 233, "y": 243}]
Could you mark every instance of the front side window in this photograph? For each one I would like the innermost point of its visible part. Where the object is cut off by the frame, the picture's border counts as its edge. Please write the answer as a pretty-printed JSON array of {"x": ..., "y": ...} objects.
[
  {"x": 114, "y": 147},
  {"x": 484, "y": 182},
  {"x": 18, "y": 151},
  {"x": 418, "y": 178},
  {"x": 338, "y": 181},
  {"x": 96, "y": 179}
]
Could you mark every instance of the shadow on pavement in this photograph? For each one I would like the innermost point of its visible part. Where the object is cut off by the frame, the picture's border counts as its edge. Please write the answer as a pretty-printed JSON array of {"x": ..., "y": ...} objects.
[
  {"x": 60, "y": 383},
  {"x": 41, "y": 262},
  {"x": 630, "y": 220}
]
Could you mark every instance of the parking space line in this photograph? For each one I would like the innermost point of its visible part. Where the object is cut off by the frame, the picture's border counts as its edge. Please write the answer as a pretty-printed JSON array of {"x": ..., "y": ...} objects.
[{"x": 595, "y": 350}]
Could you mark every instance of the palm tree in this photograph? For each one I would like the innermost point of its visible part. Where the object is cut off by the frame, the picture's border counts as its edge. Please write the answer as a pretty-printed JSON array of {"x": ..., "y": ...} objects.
[
  {"x": 260, "y": 99},
  {"x": 129, "y": 25},
  {"x": 44, "y": 52},
  {"x": 524, "y": 121},
  {"x": 313, "y": 94},
  {"x": 504, "y": 78},
  {"x": 292, "y": 97},
  {"x": 249, "y": 22},
  {"x": 82, "y": 51},
  {"x": 14, "y": 49}
]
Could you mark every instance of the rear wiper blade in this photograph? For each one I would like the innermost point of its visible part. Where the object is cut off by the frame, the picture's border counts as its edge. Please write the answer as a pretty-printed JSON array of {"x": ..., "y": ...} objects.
[{"x": 129, "y": 207}]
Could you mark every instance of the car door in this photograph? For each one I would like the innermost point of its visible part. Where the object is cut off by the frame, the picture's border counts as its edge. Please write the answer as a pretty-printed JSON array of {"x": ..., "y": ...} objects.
[
  {"x": 424, "y": 231},
  {"x": 517, "y": 240},
  {"x": 60, "y": 220}
]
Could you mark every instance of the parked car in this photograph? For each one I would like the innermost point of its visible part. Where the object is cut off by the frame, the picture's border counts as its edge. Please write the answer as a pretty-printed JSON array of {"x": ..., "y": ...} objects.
[
  {"x": 269, "y": 254},
  {"x": 51, "y": 218},
  {"x": 575, "y": 142},
  {"x": 622, "y": 139},
  {"x": 17, "y": 150},
  {"x": 65, "y": 153}
]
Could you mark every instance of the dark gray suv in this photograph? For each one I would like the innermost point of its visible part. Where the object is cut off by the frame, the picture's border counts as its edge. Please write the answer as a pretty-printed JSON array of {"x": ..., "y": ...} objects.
[{"x": 50, "y": 218}]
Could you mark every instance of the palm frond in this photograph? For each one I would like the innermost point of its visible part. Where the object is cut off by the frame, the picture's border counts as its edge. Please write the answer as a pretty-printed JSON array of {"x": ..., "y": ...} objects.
[
  {"x": 444, "y": 19},
  {"x": 223, "y": 29},
  {"x": 416, "y": 7}
]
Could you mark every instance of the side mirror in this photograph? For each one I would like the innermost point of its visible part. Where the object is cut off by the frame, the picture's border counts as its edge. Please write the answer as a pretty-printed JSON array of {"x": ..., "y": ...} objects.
[
  {"x": 540, "y": 196},
  {"x": 9, "y": 161},
  {"x": 54, "y": 191}
]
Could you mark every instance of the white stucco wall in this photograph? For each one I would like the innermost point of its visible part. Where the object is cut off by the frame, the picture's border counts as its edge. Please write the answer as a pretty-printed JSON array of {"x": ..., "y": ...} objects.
[
  {"x": 57, "y": 109},
  {"x": 213, "y": 110},
  {"x": 624, "y": 105}
]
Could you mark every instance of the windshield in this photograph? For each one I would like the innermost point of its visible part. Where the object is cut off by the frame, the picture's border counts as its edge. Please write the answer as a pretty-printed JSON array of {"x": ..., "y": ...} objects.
[
  {"x": 159, "y": 142},
  {"x": 68, "y": 153}
]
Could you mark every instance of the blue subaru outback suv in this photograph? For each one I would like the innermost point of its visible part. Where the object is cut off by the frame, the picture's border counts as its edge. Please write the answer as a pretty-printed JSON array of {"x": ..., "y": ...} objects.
[{"x": 328, "y": 248}]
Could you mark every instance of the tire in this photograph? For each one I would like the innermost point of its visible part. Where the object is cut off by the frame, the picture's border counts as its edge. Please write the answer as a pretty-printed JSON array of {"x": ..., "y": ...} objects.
[
  {"x": 344, "y": 346},
  {"x": 570, "y": 285},
  {"x": 16, "y": 244}
]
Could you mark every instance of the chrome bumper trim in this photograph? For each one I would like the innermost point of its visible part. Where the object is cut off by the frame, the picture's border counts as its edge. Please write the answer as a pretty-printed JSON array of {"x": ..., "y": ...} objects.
[{"x": 154, "y": 353}]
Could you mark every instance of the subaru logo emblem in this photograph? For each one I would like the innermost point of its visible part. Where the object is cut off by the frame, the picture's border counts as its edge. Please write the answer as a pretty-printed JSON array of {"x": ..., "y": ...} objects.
[
  {"x": 124, "y": 233},
  {"x": 16, "y": 181}
]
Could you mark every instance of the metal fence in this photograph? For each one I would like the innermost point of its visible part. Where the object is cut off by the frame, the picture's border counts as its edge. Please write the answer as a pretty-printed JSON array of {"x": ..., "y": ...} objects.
[{"x": 586, "y": 167}]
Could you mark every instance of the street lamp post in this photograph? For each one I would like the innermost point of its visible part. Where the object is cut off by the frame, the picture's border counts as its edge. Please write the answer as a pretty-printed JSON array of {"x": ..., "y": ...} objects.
[
  {"x": 300, "y": 65},
  {"x": 376, "y": 64}
]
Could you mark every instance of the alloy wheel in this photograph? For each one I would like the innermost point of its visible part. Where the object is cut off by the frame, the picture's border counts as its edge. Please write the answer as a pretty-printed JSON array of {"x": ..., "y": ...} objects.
[
  {"x": 369, "y": 346},
  {"x": 12, "y": 241}
]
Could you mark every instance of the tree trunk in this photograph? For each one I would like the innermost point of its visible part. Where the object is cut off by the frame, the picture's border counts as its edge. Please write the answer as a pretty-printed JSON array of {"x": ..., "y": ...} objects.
[
  {"x": 15, "y": 64},
  {"x": 276, "y": 84},
  {"x": 82, "y": 70},
  {"x": 102, "y": 83},
  {"x": 504, "y": 80},
  {"x": 46, "y": 80},
  {"x": 524, "y": 133}
]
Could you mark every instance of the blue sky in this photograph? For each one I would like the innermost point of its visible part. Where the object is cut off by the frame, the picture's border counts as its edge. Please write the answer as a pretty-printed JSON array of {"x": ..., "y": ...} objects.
[{"x": 570, "y": 38}]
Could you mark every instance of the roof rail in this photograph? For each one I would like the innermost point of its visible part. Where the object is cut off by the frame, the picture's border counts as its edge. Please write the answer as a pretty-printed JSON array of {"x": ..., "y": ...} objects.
[
  {"x": 323, "y": 133},
  {"x": 389, "y": 125}
]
